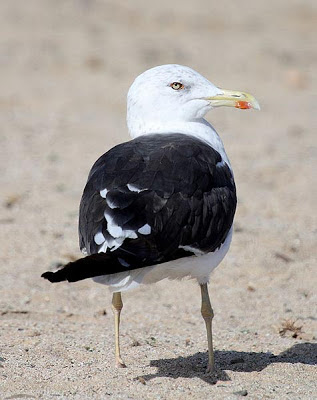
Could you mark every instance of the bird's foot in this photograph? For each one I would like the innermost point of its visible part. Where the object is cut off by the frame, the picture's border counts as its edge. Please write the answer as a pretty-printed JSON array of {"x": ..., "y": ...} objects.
[
  {"x": 210, "y": 369},
  {"x": 120, "y": 363}
]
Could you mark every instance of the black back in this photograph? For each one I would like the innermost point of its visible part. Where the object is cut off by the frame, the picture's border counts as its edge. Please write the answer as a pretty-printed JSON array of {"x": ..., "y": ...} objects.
[{"x": 188, "y": 198}]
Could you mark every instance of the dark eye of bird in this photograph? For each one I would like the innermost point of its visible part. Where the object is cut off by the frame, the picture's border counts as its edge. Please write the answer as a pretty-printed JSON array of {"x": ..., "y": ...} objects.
[{"x": 177, "y": 85}]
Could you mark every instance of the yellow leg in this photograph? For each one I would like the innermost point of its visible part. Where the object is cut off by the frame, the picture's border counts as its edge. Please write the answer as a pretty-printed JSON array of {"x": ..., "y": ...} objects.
[
  {"x": 116, "y": 308},
  {"x": 208, "y": 314}
]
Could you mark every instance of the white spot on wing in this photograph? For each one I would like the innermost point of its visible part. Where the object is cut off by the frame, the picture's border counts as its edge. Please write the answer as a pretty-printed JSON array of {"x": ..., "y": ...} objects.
[
  {"x": 145, "y": 229},
  {"x": 99, "y": 238},
  {"x": 118, "y": 235},
  {"x": 197, "y": 252},
  {"x": 103, "y": 193},
  {"x": 113, "y": 229},
  {"x": 133, "y": 188},
  {"x": 111, "y": 204},
  {"x": 112, "y": 244},
  {"x": 221, "y": 163}
]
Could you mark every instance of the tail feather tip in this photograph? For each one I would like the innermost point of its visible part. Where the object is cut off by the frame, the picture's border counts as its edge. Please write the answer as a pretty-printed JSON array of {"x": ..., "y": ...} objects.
[{"x": 50, "y": 276}]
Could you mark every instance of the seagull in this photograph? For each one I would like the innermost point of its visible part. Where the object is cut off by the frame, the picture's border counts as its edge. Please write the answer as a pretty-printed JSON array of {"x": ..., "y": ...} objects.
[{"x": 162, "y": 204}]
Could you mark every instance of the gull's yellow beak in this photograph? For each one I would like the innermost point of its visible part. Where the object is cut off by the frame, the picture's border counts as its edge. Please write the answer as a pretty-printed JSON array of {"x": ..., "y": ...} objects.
[{"x": 231, "y": 98}]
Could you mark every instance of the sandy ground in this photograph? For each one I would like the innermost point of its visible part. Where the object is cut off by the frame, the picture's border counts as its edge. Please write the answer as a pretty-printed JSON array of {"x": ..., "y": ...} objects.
[{"x": 65, "y": 70}]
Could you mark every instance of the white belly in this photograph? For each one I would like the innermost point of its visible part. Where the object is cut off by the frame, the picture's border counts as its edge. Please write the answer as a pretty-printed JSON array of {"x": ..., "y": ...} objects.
[{"x": 195, "y": 267}]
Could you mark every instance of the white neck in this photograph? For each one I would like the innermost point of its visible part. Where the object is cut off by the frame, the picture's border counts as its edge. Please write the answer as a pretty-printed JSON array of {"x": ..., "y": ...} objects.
[{"x": 199, "y": 128}]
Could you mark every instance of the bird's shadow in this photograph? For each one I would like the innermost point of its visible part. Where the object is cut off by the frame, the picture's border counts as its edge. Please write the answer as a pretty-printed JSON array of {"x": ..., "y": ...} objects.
[{"x": 195, "y": 365}]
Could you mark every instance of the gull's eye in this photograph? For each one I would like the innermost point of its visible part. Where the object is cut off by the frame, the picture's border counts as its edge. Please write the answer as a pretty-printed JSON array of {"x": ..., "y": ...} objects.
[{"x": 177, "y": 86}]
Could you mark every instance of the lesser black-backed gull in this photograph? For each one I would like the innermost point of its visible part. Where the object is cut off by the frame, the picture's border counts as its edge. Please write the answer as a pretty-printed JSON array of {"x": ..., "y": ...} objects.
[{"x": 162, "y": 204}]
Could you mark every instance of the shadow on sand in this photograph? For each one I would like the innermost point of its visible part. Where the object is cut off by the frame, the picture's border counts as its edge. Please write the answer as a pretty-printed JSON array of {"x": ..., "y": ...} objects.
[{"x": 195, "y": 365}]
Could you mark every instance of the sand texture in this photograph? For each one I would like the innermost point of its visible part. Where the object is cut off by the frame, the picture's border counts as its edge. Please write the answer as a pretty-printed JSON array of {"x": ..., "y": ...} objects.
[{"x": 65, "y": 68}]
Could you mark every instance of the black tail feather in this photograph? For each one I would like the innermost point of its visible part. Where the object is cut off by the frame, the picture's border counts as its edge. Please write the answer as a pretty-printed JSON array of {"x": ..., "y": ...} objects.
[
  {"x": 104, "y": 264},
  {"x": 87, "y": 267}
]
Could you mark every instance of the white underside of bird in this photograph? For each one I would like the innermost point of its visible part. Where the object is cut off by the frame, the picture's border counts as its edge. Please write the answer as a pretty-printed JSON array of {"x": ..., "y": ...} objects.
[{"x": 195, "y": 267}]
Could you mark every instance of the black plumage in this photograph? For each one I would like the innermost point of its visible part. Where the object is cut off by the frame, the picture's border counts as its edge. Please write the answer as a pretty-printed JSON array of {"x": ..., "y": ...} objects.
[{"x": 186, "y": 196}]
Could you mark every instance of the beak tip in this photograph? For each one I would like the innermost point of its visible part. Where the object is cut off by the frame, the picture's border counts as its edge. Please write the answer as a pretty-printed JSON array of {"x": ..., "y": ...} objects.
[
  {"x": 231, "y": 98},
  {"x": 257, "y": 106}
]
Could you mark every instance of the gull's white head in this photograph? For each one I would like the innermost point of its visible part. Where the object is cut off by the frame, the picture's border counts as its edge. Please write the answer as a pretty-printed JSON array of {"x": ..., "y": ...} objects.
[{"x": 165, "y": 98}]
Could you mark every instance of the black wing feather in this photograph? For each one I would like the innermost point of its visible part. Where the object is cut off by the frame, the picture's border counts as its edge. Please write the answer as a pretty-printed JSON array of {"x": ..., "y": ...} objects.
[{"x": 188, "y": 198}]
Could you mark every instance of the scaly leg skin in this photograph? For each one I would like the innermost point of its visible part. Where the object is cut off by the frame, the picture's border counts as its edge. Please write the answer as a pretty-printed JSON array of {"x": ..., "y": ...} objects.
[
  {"x": 116, "y": 308},
  {"x": 208, "y": 314}
]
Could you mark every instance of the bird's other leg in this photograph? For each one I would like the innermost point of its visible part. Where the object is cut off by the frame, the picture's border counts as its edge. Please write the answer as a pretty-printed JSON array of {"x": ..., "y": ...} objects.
[
  {"x": 116, "y": 308},
  {"x": 208, "y": 314}
]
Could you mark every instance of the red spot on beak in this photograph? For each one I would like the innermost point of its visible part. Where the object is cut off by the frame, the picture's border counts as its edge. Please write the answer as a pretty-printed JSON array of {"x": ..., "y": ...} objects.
[{"x": 243, "y": 105}]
